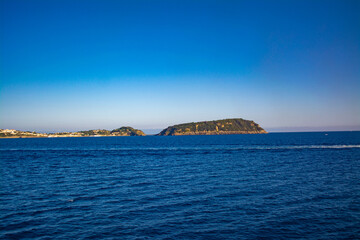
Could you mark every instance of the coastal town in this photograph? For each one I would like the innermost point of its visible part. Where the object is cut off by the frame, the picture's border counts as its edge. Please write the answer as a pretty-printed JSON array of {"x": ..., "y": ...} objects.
[
  {"x": 11, "y": 133},
  {"x": 123, "y": 131}
]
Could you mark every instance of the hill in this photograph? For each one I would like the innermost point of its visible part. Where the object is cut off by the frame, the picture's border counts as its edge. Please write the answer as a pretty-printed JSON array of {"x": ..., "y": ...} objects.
[
  {"x": 127, "y": 131},
  {"x": 219, "y": 127}
]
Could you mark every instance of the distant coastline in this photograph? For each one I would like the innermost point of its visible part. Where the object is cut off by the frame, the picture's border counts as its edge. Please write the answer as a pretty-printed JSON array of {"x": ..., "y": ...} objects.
[
  {"x": 218, "y": 127},
  {"x": 123, "y": 131}
]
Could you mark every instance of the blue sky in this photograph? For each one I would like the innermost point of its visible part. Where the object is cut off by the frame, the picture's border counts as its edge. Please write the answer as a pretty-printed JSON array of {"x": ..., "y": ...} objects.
[{"x": 75, "y": 65}]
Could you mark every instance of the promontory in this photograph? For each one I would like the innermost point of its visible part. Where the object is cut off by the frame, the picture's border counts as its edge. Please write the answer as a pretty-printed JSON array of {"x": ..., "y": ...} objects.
[{"x": 219, "y": 127}]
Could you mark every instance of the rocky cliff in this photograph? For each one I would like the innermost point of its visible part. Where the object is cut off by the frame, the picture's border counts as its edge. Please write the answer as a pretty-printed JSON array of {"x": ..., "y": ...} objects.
[{"x": 219, "y": 127}]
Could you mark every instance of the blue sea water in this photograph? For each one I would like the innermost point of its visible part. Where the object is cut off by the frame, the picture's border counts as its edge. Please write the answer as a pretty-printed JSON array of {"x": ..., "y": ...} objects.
[{"x": 273, "y": 186}]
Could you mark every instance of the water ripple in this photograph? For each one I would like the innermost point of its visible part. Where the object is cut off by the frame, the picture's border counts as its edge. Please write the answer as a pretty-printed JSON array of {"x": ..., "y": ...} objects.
[{"x": 213, "y": 187}]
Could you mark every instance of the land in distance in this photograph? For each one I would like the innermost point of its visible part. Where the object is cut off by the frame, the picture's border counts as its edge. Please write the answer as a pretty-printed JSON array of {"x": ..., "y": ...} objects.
[
  {"x": 123, "y": 131},
  {"x": 219, "y": 127}
]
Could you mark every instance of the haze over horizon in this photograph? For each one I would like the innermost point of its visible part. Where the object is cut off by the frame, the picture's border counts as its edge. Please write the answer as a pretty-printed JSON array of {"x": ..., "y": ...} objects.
[{"x": 78, "y": 65}]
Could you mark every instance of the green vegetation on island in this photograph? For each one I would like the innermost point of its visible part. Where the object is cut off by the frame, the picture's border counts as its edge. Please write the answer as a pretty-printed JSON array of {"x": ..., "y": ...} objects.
[
  {"x": 219, "y": 127},
  {"x": 127, "y": 131},
  {"x": 123, "y": 131}
]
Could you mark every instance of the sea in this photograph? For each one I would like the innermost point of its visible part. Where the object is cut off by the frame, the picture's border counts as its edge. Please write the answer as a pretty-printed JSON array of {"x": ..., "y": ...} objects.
[{"x": 267, "y": 186}]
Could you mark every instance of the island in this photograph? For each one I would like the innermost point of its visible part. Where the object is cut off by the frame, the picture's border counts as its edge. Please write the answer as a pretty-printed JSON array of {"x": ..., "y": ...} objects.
[
  {"x": 123, "y": 131},
  {"x": 219, "y": 127}
]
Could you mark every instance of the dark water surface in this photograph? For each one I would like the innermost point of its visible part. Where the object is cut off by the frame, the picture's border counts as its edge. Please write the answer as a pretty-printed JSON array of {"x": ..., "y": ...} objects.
[{"x": 274, "y": 186}]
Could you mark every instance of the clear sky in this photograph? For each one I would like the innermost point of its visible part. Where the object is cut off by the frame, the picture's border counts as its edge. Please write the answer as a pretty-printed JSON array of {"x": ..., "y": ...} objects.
[{"x": 76, "y": 65}]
